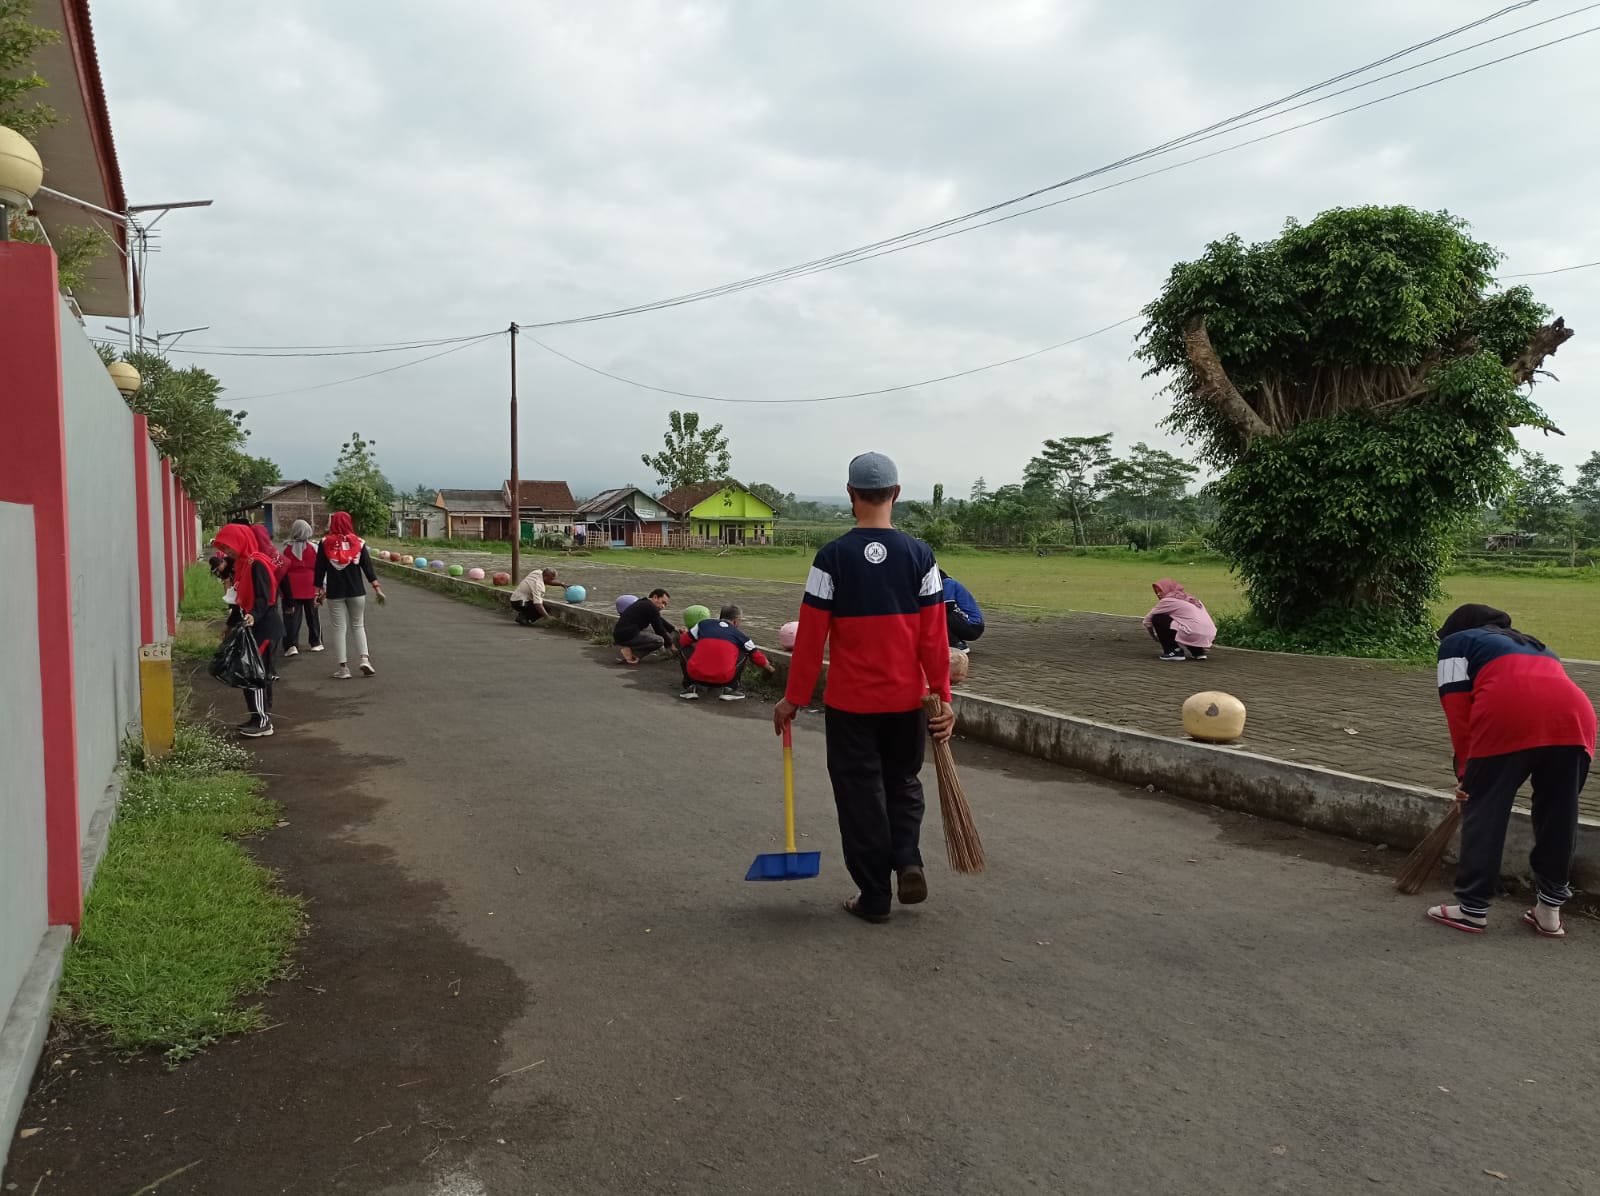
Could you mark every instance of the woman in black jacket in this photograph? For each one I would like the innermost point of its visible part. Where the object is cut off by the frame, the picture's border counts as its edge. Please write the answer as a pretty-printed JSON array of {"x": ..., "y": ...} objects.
[
  {"x": 342, "y": 561},
  {"x": 256, "y": 606}
]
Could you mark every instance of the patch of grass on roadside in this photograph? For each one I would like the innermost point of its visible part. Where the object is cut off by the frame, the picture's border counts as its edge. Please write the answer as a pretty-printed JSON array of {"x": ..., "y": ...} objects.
[
  {"x": 181, "y": 923},
  {"x": 202, "y": 594}
]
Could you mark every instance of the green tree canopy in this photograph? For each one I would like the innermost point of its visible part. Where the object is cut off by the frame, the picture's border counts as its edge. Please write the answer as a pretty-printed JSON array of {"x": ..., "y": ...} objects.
[
  {"x": 1357, "y": 381},
  {"x": 368, "y": 510},
  {"x": 20, "y": 38},
  {"x": 780, "y": 502},
  {"x": 1537, "y": 500},
  {"x": 358, "y": 462},
  {"x": 689, "y": 452},
  {"x": 1070, "y": 468}
]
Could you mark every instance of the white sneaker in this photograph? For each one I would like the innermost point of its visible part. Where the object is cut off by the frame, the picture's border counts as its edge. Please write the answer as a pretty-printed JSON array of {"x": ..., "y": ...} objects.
[
  {"x": 366, "y": 667},
  {"x": 316, "y": 647},
  {"x": 342, "y": 673},
  {"x": 291, "y": 650}
]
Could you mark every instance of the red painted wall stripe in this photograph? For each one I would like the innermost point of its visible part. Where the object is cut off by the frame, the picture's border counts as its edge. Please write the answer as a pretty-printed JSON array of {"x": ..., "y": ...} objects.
[
  {"x": 141, "y": 515},
  {"x": 170, "y": 591},
  {"x": 33, "y": 470}
]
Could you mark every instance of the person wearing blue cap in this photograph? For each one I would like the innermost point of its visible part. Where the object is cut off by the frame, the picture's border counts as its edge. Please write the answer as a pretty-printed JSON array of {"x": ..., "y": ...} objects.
[{"x": 874, "y": 599}]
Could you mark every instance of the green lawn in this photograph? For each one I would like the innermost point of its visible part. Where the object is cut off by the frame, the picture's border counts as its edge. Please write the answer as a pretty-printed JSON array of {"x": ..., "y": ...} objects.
[{"x": 1556, "y": 608}]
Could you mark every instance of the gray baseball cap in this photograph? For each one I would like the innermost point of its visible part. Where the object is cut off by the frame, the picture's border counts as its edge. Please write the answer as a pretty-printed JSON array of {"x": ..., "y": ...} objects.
[{"x": 873, "y": 471}]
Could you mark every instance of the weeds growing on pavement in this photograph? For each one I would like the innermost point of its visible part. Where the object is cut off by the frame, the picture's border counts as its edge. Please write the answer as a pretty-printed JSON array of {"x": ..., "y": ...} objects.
[
  {"x": 181, "y": 923},
  {"x": 202, "y": 594}
]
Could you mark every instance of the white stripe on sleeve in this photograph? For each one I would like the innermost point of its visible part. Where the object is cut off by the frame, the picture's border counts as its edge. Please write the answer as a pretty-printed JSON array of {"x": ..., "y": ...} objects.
[
  {"x": 931, "y": 583},
  {"x": 1452, "y": 670},
  {"x": 819, "y": 584}
]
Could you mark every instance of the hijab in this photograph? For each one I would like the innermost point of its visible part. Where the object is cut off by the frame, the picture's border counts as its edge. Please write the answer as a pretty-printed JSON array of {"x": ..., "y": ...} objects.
[
  {"x": 341, "y": 543},
  {"x": 299, "y": 539},
  {"x": 246, "y": 550},
  {"x": 1167, "y": 588},
  {"x": 1477, "y": 616}
]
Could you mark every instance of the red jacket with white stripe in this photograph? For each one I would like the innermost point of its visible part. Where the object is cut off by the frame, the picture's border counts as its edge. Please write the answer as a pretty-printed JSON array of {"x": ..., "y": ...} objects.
[
  {"x": 1501, "y": 695},
  {"x": 874, "y": 599}
]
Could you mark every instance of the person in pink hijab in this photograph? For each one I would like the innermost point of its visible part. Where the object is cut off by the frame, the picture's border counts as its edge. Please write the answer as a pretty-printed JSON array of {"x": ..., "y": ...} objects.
[{"x": 1179, "y": 622}]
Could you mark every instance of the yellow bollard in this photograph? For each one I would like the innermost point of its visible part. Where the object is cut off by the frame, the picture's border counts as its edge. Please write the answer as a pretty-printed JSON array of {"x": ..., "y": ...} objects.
[{"x": 155, "y": 698}]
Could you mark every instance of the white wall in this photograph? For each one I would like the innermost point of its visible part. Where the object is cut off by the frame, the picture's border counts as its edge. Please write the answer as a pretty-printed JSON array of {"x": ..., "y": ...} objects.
[
  {"x": 22, "y": 842},
  {"x": 103, "y": 543}
]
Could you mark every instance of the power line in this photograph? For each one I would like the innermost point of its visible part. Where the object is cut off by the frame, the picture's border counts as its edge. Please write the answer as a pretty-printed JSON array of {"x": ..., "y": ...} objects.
[
  {"x": 1227, "y": 149},
  {"x": 855, "y": 394},
  {"x": 273, "y": 394},
  {"x": 293, "y": 351},
  {"x": 1561, "y": 270},
  {"x": 892, "y": 244}
]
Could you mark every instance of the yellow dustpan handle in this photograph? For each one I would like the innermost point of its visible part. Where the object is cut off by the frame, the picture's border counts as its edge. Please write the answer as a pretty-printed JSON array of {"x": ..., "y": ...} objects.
[{"x": 788, "y": 790}]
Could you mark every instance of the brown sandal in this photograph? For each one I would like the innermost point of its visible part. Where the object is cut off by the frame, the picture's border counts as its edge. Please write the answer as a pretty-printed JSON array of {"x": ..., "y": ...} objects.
[{"x": 852, "y": 906}]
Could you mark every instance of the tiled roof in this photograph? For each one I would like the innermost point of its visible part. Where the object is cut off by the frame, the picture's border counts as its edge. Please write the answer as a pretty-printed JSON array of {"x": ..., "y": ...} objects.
[
  {"x": 607, "y": 500},
  {"x": 686, "y": 498},
  {"x": 543, "y": 496},
  {"x": 473, "y": 502}
]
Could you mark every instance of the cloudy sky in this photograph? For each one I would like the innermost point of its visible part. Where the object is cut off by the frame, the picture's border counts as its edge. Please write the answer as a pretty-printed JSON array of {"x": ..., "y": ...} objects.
[{"x": 388, "y": 172}]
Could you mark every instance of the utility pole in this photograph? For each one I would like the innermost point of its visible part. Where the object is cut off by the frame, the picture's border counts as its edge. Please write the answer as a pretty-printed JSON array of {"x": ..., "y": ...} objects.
[{"x": 516, "y": 480}]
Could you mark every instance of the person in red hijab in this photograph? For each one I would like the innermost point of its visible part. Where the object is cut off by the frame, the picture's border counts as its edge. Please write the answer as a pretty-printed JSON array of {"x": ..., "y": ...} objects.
[
  {"x": 342, "y": 561},
  {"x": 256, "y": 606}
]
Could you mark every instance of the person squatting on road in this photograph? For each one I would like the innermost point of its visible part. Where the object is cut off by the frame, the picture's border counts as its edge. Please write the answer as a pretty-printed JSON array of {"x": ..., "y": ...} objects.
[
  {"x": 962, "y": 616},
  {"x": 640, "y": 629},
  {"x": 875, "y": 600},
  {"x": 1179, "y": 622},
  {"x": 528, "y": 598},
  {"x": 713, "y": 654},
  {"x": 255, "y": 604},
  {"x": 1513, "y": 714},
  {"x": 298, "y": 586},
  {"x": 342, "y": 560}
]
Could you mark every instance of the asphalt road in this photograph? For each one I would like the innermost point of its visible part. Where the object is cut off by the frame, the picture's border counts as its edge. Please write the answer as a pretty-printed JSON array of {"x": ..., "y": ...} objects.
[{"x": 1141, "y": 995}]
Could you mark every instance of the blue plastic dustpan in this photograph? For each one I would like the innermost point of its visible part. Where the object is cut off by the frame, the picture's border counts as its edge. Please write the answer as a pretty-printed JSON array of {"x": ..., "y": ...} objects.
[
  {"x": 785, "y": 865},
  {"x": 791, "y": 864}
]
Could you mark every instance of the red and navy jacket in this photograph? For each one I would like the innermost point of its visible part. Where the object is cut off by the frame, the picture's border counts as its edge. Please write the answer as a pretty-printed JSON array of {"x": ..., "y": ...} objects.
[
  {"x": 875, "y": 601},
  {"x": 1501, "y": 695},
  {"x": 719, "y": 650}
]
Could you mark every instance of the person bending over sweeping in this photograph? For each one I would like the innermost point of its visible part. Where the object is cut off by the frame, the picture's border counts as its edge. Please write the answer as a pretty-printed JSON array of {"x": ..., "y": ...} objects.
[
  {"x": 875, "y": 600},
  {"x": 1513, "y": 714},
  {"x": 1179, "y": 622},
  {"x": 962, "y": 616},
  {"x": 640, "y": 629},
  {"x": 713, "y": 653},
  {"x": 528, "y": 598}
]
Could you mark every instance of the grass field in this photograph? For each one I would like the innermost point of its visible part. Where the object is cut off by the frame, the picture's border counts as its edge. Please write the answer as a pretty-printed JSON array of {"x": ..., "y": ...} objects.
[{"x": 1559, "y": 608}]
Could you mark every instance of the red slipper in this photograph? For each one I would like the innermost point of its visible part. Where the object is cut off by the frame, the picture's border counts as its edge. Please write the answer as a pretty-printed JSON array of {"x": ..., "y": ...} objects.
[
  {"x": 1532, "y": 919},
  {"x": 1436, "y": 913}
]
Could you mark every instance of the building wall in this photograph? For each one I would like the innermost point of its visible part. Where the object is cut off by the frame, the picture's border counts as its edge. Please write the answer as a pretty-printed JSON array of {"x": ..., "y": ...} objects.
[
  {"x": 732, "y": 504},
  {"x": 160, "y": 527},
  {"x": 297, "y": 502},
  {"x": 22, "y": 837},
  {"x": 103, "y": 539}
]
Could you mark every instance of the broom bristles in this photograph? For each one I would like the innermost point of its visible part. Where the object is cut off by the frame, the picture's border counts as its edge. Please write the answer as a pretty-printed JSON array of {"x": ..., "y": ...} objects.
[
  {"x": 962, "y": 846},
  {"x": 1424, "y": 859}
]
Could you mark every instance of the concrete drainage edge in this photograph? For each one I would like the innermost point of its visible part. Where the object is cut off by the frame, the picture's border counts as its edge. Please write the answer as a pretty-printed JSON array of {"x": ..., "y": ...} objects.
[
  {"x": 26, "y": 1027},
  {"x": 1321, "y": 799}
]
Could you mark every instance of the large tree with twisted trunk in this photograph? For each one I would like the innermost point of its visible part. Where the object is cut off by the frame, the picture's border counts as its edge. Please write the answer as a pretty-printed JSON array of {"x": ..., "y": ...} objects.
[{"x": 1357, "y": 383}]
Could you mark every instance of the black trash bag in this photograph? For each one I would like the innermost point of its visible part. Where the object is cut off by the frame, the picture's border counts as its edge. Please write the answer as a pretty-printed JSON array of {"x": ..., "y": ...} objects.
[{"x": 238, "y": 660}]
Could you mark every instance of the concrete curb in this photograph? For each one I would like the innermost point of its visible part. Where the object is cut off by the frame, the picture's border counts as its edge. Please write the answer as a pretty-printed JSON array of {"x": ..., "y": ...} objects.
[
  {"x": 22, "y": 1038},
  {"x": 1322, "y": 799}
]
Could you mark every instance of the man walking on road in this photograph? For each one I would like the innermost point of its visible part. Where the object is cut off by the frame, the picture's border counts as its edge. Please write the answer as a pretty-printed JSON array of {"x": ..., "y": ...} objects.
[{"x": 874, "y": 599}]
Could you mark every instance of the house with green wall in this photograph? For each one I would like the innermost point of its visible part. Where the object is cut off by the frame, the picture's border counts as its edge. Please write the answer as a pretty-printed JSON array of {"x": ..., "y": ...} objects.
[{"x": 723, "y": 512}]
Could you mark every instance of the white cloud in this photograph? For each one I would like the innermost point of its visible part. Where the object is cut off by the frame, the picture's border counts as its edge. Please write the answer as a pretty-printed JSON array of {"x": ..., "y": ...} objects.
[{"x": 390, "y": 171}]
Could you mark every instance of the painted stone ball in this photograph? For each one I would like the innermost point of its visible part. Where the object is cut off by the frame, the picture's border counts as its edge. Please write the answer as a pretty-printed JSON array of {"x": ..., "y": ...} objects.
[
  {"x": 786, "y": 636},
  {"x": 501, "y": 579},
  {"x": 624, "y": 601},
  {"x": 693, "y": 614},
  {"x": 456, "y": 570},
  {"x": 420, "y": 562},
  {"x": 576, "y": 594},
  {"x": 1212, "y": 716},
  {"x": 406, "y": 560},
  {"x": 436, "y": 565},
  {"x": 474, "y": 574},
  {"x": 959, "y": 665}
]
